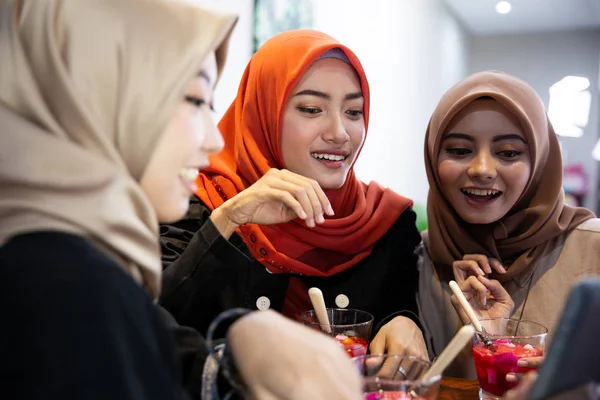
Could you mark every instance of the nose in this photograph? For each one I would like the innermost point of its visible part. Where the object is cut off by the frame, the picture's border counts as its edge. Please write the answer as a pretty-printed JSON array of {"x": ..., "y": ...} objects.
[
  {"x": 482, "y": 167},
  {"x": 336, "y": 131},
  {"x": 213, "y": 141}
]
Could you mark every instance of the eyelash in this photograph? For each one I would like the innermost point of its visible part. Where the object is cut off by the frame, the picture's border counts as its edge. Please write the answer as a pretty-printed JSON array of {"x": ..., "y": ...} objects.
[
  {"x": 458, "y": 151},
  {"x": 316, "y": 110},
  {"x": 197, "y": 102}
]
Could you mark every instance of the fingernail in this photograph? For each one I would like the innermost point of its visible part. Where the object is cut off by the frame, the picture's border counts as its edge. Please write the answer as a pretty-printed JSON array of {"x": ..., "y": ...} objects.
[
  {"x": 480, "y": 271},
  {"x": 502, "y": 269},
  {"x": 310, "y": 223},
  {"x": 488, "y": 269},
  {"x": 522, "y": 363},
  {"x": 303, "y": 215},
  {"x": 320, "y": 218},
  {"x": 511, "y": 378},
  {"x": 330, "y": 210}
]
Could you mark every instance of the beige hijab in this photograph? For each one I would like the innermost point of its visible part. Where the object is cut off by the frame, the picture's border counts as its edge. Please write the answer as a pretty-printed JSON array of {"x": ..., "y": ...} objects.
[
  {"x": 87, "y": 87},
  {"x": 539, "y": 215}
]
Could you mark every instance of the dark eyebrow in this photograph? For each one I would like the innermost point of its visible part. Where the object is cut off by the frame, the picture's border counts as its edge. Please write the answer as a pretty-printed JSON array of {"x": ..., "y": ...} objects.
[
  {"x": 316, "y": 93},
  {"x": 458, "y": 136},
  {"x": 203, "y": 74},
  {"x": 510, "y": 136}
]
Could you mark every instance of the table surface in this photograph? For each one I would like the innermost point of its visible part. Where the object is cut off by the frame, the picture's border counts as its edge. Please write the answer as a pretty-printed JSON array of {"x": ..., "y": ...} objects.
[{"x": 458, "y": 389}]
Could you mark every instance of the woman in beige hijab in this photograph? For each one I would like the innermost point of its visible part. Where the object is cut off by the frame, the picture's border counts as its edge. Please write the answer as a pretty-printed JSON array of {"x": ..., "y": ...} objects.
[
  {"x": 498, "y": 223},
  {"x": 105, "y": 116}
]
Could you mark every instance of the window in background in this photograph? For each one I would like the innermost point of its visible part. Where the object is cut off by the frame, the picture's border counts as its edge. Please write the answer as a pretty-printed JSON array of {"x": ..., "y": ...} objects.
[
  {"x": 275, "y": 16},
  {"x": 569, "y": 107}
]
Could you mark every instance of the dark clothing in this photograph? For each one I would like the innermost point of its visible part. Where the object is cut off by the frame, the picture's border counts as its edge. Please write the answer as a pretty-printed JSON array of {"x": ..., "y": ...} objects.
[
  {"x": 76, "y": 326},
  {"x": 205, "y": 274}
]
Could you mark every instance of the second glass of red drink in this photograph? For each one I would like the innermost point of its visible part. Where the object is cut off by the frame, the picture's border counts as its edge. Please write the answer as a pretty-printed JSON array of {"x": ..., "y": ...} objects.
[{"x": 349, "y": 327}]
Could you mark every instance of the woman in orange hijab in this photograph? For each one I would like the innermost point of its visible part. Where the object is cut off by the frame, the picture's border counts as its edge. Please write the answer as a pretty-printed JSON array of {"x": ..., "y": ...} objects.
[
  {"x": 280, "y": 209},
  {"x": 496, "y": 207}
]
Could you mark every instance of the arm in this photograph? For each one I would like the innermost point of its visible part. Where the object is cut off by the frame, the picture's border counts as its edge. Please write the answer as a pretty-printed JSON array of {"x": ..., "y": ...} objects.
[{"x": 401, "y": 329}]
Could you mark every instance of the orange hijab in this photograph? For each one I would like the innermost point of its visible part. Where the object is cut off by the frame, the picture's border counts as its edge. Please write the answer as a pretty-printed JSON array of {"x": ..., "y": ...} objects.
[
  {"x": 521, "y": 236},
  {"x": 251, "y": 128}
]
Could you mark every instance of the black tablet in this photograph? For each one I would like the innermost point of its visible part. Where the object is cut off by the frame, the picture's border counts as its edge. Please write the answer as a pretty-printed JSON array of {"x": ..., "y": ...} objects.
[{"x": 573, "y": 358}]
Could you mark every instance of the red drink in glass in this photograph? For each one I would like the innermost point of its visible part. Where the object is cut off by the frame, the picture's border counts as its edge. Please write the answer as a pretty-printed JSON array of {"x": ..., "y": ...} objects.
[
  {"x": 513, "y": 340},
  {"x": 353, "y": 345},
  {"x": 492, "y": 367}
]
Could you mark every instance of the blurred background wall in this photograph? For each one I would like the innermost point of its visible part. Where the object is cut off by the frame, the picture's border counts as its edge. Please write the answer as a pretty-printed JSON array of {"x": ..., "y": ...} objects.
[{"x": 413, "y": 51}]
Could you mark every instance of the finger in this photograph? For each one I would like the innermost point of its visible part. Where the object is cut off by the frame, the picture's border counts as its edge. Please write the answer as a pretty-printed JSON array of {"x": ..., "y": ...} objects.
[
  {"x": 472, "y": 284},
  {"x": 522, "y": 390},
  {"x": 308, "y": 185},
  {"x": 530, "y": 362},
  {"x": 481, "y": 260},
  {"x": 300, "y": 194},
  {"x": 289, "y": 201},
  {"x": 323, "y": 199},
  {"x": 496, "y": 290},
  {"x": 497, "y": 266},
  {"x": 377, "y": 346},
  {"x": 465, "y": 268}
]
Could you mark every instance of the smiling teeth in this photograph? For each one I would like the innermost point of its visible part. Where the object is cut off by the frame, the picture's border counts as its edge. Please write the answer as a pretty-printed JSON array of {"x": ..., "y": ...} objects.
[
  {"x": 330, "y": 157},
  {"x": 481, "y": 192},
  {"x": 188, "y": 174}
]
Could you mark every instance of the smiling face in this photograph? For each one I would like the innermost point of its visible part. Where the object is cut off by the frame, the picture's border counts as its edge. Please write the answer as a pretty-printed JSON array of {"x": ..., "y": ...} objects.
[
  {"x": 484, "y": 162},
  {"x": 323, "y": 124},
  {"x": 183, "y": 148}
]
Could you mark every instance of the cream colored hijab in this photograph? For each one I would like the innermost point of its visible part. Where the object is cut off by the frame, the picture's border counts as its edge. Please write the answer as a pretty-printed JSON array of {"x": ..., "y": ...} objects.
[
  {"x": 520, "y": 237},
  {"x": 87, "y": 87}
]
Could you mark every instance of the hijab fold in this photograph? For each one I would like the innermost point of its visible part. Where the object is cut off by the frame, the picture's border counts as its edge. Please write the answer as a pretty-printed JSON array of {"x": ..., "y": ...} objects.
[
  {"x": 87, "y": 88},
  {"x": 520, "y": 237},
  {"x": 252, "y": 131}
]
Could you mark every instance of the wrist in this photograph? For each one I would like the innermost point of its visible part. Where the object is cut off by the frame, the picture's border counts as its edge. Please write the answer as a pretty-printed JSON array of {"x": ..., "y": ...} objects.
[{"x": 223, "y": 222}]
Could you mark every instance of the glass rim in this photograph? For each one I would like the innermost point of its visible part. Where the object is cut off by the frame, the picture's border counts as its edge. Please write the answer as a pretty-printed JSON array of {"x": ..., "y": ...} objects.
[
  {"x": 317, "y": 323},
  {"x": 409, "y": 382},
  {"x": 526, "y": 321}
]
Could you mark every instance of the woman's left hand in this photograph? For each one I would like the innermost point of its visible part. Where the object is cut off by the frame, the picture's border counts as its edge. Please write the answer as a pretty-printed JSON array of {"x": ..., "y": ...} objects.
[
  {"x": 521, "y": 391},
  {"x": 400, "y": 336}
]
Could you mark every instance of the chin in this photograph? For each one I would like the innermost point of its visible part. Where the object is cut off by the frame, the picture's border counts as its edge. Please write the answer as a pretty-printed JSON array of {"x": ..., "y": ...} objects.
[
  {"x": 173, "y": 213},
  {"x": 331, "y": 185}
]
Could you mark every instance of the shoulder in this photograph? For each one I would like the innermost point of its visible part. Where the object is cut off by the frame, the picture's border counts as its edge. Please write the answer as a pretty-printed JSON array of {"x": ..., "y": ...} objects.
[
  {"x": 405, "y": 228},
  {"x": 62, "y": 262},
  {"x": 591, "y": 225},
  {"x": 52, "y": 248}
]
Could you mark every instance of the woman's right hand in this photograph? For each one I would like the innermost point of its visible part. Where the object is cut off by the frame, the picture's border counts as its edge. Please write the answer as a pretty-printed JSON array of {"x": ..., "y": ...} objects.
[
  {"x": 477, "y": 265},
  {"x": 486, "y": 296},
  {"x": 279, "y": 196},
  {"x": 281, "y": 359}
]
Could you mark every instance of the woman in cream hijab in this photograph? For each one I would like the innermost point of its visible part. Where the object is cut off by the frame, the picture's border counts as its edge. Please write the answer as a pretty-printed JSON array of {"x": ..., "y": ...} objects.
[{"x": 105, "y": 116}]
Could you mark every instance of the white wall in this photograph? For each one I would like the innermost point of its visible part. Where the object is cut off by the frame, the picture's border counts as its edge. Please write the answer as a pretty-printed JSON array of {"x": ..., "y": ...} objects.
[
  {"x": 240, "y": 50},
  {"x": 412, "y": 51},
  {"x": 541, "y": 60}
]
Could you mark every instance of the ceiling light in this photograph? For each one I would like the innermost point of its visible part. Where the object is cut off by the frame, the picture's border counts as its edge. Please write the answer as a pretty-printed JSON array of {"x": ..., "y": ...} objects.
[{"x": 503, "y": 7}]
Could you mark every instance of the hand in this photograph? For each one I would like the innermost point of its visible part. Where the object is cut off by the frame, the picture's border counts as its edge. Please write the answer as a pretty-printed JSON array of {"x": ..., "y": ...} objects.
[
  {"x": 400, "y": 336},
  {"x": 486, "y": 296},
  {"x": 279, "y": 196},
  {"x": 528, "y": 362},
  {"x": 475, "y": 264},
  {"x": 521, "y": 391},
  {"x": 281, "y": 359}
]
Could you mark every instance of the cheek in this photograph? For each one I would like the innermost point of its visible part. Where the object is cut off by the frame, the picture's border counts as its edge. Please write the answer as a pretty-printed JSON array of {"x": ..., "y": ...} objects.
[
  {"x": 357, "y": 134},
  {"x": 448, "y": 171},
  {"x": 296, "y": 136},
  {"x": 519, "y": 176}
]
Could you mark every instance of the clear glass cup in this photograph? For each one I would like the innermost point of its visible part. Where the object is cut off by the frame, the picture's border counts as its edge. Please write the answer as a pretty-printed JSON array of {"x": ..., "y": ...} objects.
[
  {"x": 349, "y": 327},
  {"x": 398, "y": 377},
  {"x": 513, "y": 339}
]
